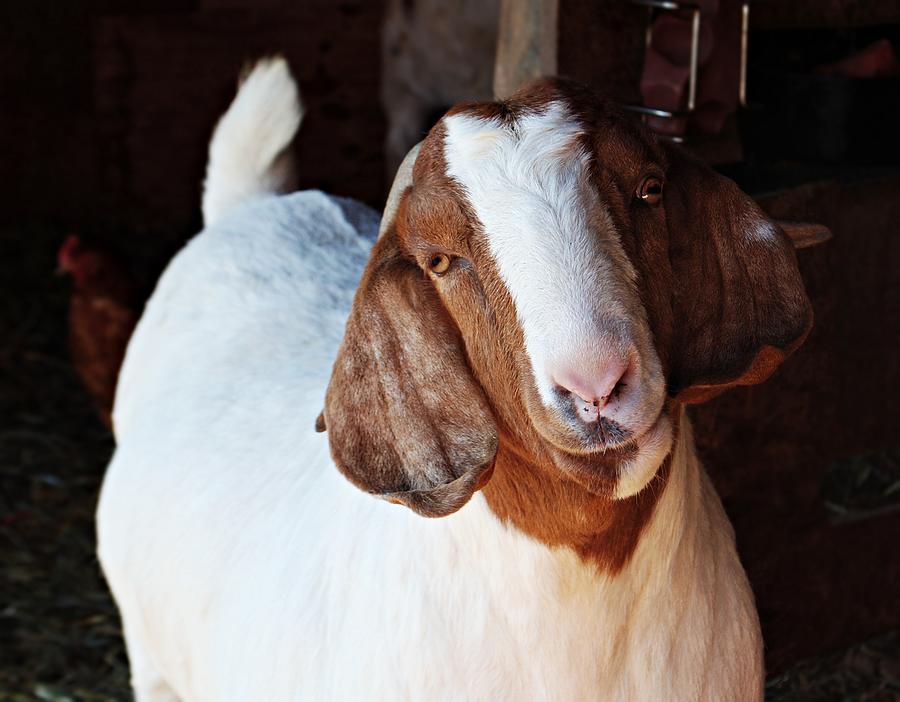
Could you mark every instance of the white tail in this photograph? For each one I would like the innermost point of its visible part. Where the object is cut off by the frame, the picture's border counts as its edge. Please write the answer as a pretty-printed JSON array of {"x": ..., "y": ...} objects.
[{"x": 248, "y": 153}]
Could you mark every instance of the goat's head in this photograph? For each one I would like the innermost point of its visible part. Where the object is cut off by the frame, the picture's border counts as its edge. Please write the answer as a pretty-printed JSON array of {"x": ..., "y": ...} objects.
[{"x": 550, "y": 276}]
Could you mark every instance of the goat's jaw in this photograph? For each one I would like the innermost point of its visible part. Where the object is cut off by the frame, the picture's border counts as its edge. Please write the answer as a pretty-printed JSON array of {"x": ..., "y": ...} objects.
[
  {"x": 652, "y": 448},
  {"x": 619, "y": 471}
]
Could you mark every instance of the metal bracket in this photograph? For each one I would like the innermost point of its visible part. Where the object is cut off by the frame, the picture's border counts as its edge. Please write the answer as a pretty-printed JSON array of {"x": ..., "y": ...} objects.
[{"x": 688, "y": 6}]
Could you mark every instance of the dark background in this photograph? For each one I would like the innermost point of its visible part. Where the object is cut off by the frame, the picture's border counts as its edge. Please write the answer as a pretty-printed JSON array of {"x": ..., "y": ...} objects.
[{"x": 107, "y": 106}]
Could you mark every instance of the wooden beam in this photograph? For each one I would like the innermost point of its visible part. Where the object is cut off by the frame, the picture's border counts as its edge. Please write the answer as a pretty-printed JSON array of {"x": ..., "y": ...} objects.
[{"x": 526, "y": 43}]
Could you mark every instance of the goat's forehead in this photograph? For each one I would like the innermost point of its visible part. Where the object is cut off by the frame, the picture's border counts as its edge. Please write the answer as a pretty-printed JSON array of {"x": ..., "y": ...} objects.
[
  {"x": 509, "y": 149},
  {"x": 522, "y": 175}
]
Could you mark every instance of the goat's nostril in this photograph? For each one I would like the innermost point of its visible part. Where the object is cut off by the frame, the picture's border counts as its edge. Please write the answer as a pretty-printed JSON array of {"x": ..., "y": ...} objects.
[{"x": 596, "y": 389}]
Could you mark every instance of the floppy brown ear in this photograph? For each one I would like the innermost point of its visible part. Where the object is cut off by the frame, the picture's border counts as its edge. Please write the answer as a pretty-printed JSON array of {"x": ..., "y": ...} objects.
[
  {"x": 739, "y": 304},
  {"x": 406, "y": 419}
]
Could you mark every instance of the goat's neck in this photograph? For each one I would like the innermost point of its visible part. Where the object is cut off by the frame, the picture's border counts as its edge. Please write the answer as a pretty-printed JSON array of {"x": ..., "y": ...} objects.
[{"x": 536, "y": 498}]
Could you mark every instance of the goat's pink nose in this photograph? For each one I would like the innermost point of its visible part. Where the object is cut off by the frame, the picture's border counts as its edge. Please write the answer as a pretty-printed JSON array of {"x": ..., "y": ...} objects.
[{"x": 592, "y": 388}]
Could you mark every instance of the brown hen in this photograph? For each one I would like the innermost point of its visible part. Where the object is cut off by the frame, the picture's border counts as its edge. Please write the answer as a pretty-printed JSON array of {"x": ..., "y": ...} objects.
[{"x": 103, "y": 311}]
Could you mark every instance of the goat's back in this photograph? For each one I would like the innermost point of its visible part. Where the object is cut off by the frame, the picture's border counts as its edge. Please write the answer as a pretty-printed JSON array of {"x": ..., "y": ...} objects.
[{"x": 254, "y": 304}]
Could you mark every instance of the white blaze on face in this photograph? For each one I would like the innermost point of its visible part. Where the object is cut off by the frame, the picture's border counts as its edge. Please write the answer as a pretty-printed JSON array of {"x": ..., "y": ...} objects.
[
  {"x": 559, "y": 255},
  {"x": 550, "y": 235}
]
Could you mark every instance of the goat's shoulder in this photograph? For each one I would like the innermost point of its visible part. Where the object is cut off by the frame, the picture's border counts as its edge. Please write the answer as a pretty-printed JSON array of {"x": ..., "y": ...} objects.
[
  {"x": 271, "y": 244},
  {"x": 266, "y": 289}
]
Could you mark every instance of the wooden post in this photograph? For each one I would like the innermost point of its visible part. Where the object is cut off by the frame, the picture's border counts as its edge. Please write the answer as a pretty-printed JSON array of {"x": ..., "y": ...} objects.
[
  {"x": 598, "y": 42},
  {"x": 526, "y": 44}
]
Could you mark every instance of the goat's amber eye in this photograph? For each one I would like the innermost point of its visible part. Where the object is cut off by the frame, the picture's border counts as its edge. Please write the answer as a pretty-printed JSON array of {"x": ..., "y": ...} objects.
[
  {"x": 439, "y": 263},
  {"x": 651, "y": 190}
]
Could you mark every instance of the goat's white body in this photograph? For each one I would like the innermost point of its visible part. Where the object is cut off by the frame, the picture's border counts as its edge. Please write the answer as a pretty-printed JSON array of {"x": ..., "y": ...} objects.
[{"x": 246, "y": 567}]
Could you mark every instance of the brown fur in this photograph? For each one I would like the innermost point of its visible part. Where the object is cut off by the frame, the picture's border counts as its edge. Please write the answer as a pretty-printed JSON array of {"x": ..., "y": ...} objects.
[
  {"x": 723, "y": 308},
  {"x": 534, "y": 497},
  {"x": 405, "y": 419}
]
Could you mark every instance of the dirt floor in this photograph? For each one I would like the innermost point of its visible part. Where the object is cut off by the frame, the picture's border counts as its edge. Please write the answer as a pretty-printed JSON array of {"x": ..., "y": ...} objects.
[{"x": 59, "y": 632}]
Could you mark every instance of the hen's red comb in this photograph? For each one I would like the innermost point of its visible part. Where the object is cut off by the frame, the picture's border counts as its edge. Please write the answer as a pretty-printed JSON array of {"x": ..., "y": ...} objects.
[{"x": 68, "y": 251}]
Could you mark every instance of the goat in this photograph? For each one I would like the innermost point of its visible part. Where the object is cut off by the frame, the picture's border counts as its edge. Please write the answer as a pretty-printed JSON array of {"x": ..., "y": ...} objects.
[{"x": 512, "y": 353}]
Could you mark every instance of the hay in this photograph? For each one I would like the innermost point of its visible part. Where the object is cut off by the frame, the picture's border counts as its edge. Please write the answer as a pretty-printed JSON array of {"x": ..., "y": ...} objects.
[
  {"x": 868, "y": 672},
  {"x": 60, "y": 637}
]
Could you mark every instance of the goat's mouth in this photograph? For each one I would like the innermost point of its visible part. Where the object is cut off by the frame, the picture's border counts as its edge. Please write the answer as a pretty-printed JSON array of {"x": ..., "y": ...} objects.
[
  {"x": 603, "y": 435},
  {"x": 617, "y": 468}
]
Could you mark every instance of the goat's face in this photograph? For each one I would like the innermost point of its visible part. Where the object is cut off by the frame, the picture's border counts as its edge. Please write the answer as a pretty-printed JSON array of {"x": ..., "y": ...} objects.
[{"x": 550, "y": 276}]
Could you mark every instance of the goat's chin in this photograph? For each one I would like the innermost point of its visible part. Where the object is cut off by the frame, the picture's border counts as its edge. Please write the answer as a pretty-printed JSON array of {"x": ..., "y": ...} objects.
[
  {"x": 652, "y": 449},
  {"x": 620, "y": 471}
]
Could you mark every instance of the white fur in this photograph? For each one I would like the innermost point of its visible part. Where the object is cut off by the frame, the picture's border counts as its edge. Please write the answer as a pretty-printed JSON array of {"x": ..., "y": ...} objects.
[
  {"x": 248, "y": 154},
  {"x": 246, "y": 568}
]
